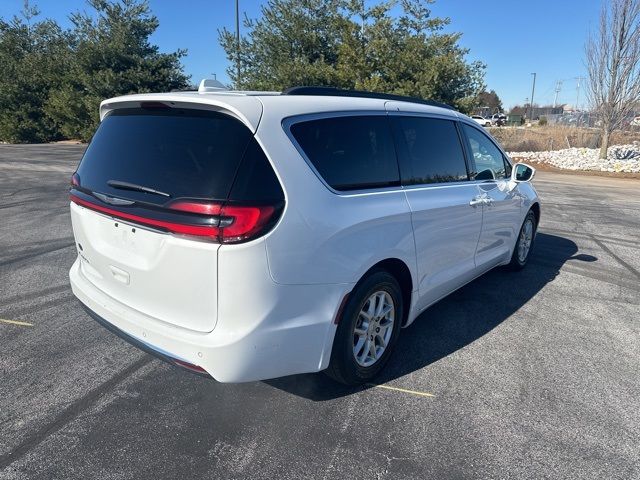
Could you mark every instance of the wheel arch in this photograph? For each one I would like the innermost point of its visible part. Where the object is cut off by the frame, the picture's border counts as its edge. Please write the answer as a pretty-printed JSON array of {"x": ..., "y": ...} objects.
[
  {"x": 535, "y": 207},
  {"x": 400, "y": 270}
]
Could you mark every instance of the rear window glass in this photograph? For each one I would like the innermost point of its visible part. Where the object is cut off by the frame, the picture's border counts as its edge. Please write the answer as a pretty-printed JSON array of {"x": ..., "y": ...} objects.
[
  {"x": 430, "y": 151},
  {"x": 256, "y": 182},
  {"x": 182, "y": 152},
  {"x": 350, "y": 153}
]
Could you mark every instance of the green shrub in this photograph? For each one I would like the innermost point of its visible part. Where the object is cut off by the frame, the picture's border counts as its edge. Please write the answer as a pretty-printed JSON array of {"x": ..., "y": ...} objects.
[{"x": 52, "y": 80}]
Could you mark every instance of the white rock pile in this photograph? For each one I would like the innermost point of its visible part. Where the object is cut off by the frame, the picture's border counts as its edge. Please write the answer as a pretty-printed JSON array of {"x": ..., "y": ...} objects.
[{"x": 620, "y": 158}]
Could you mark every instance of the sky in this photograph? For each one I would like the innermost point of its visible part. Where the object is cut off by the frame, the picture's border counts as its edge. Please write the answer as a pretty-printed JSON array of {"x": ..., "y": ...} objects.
[{"x": 514, "y": 38}]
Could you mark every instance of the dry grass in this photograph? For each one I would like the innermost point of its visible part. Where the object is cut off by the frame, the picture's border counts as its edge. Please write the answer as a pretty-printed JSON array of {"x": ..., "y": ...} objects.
[{"x": 555, "y": 137}]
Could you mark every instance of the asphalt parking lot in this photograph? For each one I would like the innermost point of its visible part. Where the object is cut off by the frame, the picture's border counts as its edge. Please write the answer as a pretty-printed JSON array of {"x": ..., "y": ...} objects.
[{"x": 533, "y": 374}]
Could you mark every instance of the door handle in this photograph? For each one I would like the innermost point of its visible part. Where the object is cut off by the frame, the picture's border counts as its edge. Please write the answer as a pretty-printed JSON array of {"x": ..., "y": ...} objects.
[{"x": 488, "y": 200}]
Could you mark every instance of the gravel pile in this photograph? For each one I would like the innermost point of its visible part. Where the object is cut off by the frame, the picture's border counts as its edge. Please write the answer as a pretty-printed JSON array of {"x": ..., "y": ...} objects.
[{"x": 620, "y": 158}]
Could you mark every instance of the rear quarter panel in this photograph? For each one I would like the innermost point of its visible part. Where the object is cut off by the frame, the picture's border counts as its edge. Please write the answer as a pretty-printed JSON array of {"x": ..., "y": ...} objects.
[{"x": 324, "y": 237}]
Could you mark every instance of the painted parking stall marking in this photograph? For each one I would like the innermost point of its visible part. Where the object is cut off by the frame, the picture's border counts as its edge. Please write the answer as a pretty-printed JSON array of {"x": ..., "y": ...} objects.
[
  {"x": 15, "y": 322},
  {"x": 402, "y": 390}
]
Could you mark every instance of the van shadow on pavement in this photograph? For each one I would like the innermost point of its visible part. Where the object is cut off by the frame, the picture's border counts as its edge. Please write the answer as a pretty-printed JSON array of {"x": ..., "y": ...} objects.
[{"x": 456, "y": 321}]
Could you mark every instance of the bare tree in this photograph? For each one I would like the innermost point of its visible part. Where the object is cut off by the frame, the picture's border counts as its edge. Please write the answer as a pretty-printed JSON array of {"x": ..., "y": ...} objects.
[
  {"x": 29, "y": 12},
  {"x": 613, "y": 65}
]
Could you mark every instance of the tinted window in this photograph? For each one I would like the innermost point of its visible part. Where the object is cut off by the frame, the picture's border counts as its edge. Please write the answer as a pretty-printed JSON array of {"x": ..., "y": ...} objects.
[
  {"x": 507, "y": 168},
  {"x": 488, "y": 161},
  {"x": 430, "y": 150},
  {"x": 350, "y": 152},
  {"x": 256, "y": 181},
  {"x": 183, "y": 152}
]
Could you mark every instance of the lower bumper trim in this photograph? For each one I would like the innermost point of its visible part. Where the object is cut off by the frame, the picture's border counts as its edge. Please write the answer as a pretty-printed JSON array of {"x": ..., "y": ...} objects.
[{"x": 162, "y": 355}]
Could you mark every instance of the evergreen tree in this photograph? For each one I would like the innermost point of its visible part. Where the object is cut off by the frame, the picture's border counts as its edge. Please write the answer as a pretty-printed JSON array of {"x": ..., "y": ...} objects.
[
  {"x": 344, "y": 44},
  {"x": 112, "y": 56},
  {"x": 491, "y": 100},
  {"x": 34, "y": 58}
]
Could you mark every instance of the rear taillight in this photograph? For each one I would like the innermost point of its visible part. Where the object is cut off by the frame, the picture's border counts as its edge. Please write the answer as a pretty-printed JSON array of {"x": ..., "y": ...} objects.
[
  {"x": 203, "y": 208},
  {"x": 214, "y": 221},
  {"x": 236, "y": 223}
]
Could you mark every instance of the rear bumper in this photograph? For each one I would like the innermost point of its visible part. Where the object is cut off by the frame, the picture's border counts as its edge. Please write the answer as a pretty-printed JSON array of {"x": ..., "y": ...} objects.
[
  {"x": 164, "y": 356},
  {"x": 292, "y": 334}
]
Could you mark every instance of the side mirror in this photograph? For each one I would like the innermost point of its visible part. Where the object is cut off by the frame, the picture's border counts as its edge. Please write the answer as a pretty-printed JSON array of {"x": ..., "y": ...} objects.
[
  {"x": 485, "y": 175},
  {"x": 522, "y": 172}
]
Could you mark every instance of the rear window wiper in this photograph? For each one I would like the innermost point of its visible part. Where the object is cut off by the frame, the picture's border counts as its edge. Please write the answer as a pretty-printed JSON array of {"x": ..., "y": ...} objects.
[{"x": 133, "y": 186}]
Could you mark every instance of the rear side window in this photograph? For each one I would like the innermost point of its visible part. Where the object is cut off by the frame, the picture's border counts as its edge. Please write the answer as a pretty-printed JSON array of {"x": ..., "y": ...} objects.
[
  {"x": 180, "y": 152},
  {"x": 350, "y": 153},
  {"x": 430, "y": 150}
]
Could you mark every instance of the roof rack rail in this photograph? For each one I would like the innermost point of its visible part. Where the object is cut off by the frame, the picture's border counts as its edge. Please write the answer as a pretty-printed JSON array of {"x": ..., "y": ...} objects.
[{"x": 338, "y": 92}]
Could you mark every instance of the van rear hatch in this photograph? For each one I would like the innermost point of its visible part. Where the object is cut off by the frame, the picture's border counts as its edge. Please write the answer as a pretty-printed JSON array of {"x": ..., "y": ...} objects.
[{"x": 157, "y": 192}]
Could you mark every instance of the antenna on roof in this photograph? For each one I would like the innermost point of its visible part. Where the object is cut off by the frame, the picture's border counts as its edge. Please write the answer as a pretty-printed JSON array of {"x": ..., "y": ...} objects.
[{"x": 211, "y": 85}]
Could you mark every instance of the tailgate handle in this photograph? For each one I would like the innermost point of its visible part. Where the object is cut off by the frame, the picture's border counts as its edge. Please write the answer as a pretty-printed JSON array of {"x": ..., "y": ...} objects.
[{"x": 119, "y": 274}]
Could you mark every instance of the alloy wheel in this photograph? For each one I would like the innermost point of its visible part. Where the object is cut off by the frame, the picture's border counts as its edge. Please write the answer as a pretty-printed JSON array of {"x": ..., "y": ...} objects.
[
  {"x": 373, "y": 329},
  {"x": 526, "y": 237}
]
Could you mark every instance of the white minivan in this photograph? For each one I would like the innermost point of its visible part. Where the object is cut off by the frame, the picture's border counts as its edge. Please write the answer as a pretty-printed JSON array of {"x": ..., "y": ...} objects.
[{"x": 252, "y": 235}]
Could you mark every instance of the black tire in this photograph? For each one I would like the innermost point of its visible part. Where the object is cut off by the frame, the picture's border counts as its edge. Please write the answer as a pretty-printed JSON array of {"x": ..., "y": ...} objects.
[
  {"x": 518, "y": 263},
  {"x": 343, "y": 366}
]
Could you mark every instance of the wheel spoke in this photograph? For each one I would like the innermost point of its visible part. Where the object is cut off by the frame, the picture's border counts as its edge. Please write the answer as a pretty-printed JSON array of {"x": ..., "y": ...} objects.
[
  {"x": 381, "y": 340},
  {"x": 379, "y": 304},
  {"x": 372, "y": 350},
  {"x": 365, "y": 351},
  {"x": 357, "y": 349},
  {"x": 371, "y": 311},
  {"x": 385, "y": 310},
  {"x": 360, "y": 348},
  {"x": 384, "y": 328},
  {"x": 361, "y": 332}
]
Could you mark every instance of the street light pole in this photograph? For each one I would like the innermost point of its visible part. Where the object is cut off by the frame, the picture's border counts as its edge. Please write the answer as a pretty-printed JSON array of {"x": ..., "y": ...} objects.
[
  {"x": 237, "y": 43},
  {"x": 533, "y": 89}
]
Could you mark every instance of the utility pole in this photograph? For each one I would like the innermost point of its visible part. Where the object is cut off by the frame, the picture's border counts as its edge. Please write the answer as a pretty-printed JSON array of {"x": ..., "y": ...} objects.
[
  {"x": 237, "y": 43},
  {"x": 533, "y": 89},
  {"x": 579, "y": 79},
  {"x": 558, "y": 87}
]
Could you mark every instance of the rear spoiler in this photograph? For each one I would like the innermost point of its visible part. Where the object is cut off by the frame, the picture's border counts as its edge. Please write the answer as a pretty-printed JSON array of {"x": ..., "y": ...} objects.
[{"x": 247, "y": 109}]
